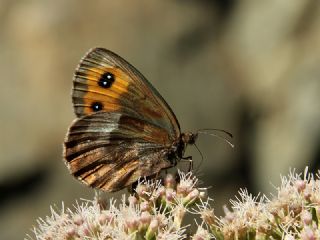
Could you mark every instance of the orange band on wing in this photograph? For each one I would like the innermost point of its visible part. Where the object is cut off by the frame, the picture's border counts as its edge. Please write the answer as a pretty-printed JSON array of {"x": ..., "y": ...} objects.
[{"x": 90, "y": 83}]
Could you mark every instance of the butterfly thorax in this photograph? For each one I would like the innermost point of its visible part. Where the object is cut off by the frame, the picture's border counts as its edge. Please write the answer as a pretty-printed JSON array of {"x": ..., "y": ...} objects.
[{"x": 179, "y": 147}]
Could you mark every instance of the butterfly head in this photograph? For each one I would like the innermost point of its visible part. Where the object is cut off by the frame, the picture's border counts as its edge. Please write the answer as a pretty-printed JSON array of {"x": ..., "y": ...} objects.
[{"x": 189, "y": 138}]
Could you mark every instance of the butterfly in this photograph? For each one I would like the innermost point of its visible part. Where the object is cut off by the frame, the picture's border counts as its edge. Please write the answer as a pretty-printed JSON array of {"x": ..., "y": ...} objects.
[{"x": 124, "y": 128}]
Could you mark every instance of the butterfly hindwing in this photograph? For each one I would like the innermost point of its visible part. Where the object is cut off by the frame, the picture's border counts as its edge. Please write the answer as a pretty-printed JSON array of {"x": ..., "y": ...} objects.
[{"x": 111, "y": 150}]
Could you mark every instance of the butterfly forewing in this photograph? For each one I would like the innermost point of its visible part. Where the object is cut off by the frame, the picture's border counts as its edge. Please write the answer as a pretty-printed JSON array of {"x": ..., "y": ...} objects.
[
  {"x": 125, "y": 129},
  {"x": 126, "y": 90}
]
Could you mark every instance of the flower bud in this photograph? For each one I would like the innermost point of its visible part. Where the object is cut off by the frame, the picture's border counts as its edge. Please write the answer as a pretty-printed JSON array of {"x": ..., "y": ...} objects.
[
  {"x": 152, "y": 230},
  {"x": 84, "y": 230},
  {"x": 169, "y": 181},
  {"x": 144, "y": 206},
  {"x": 78, "y": 219},
  {"x": 142, "y": 191},
  {"x": 145, "y": 218},
  {"x": 170, "y": 195},
  {"x": 131, "y": 224},
  {"x": 191, "y": 197},
  {"x": 71, "y": 232},
  {"x": 300, "y": 185},
  {"x": 306, "y": 217},
  {"x": 308, "y": 234}
]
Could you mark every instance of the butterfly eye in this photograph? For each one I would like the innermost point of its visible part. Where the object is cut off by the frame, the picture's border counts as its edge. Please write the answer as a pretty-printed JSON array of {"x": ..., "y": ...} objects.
[
  {"x": 96, "y": 106},
  {"x": 106, "y": 80}
]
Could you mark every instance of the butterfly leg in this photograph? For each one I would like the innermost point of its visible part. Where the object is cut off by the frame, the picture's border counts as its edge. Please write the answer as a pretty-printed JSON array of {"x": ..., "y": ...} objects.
[
  {"x": 189, "y": 160},
  {"x": 157, "y": 175}
]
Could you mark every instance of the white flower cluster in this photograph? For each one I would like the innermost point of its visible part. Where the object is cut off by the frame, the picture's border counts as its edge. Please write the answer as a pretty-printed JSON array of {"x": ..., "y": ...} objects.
[
  {"x": 293, "y": 213},
  {"x": 154, "y": 211},
  {"x": 157, "y": 210}
]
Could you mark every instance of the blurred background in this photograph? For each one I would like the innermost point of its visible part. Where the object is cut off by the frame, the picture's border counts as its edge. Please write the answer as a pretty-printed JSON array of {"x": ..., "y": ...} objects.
[{"x": 249, "y": 67}]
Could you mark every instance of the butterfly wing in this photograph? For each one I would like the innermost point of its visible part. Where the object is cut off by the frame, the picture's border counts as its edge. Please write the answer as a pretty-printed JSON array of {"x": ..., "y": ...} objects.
[
  {"x": 105, "y": 81},
  {"x": 111, "y": 150},
  {"x": 125, "y": 128}
]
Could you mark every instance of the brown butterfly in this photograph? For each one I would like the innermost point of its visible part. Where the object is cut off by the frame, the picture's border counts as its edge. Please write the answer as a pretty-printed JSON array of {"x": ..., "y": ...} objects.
[{"x": 125, "y": 129}]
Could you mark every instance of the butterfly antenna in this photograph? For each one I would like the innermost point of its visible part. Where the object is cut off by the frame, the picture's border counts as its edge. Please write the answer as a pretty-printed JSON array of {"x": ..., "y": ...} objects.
[
  {"x": 217, "y": 130},
  {"x": 204, "y": 131},
  {"x": 202, "y": 158}
]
